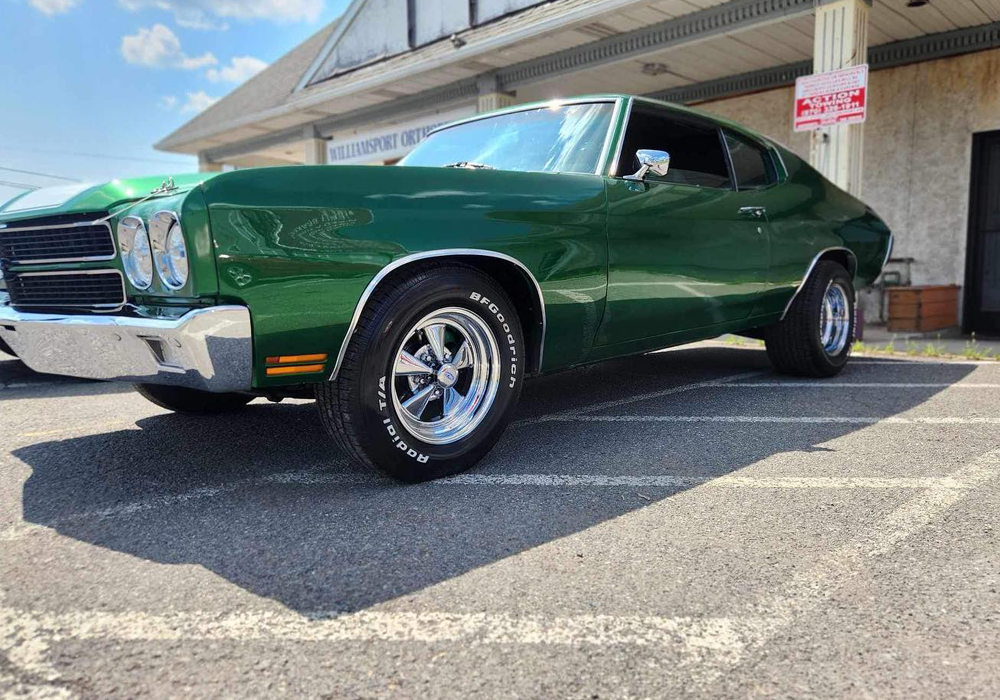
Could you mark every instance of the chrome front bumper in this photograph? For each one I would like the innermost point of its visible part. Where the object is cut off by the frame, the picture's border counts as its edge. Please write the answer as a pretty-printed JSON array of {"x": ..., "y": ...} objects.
[{"x": 209, "y": 349}]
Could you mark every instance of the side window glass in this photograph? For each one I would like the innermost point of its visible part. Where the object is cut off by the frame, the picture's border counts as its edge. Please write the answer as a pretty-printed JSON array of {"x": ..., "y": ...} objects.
[
  {"x": 696, "y": 153},
  {"x": 751, "y": 163}
]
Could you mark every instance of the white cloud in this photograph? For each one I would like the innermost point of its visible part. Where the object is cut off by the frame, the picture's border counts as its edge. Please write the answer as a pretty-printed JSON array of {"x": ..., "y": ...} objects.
[
  {"x": 197, "y": 14},
  {"x": 198, "y": 102},
  {"x": 54, "y": 7},
  {"x": 168, "y": 102},
  {"x": 158, "y": 47},
  {"x": 195, "y": 19},
  {"x": 239, "y": 70}
]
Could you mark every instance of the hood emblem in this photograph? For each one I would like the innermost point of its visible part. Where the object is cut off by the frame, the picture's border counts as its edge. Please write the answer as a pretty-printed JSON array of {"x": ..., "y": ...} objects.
[{"x": 166, "y": 186}]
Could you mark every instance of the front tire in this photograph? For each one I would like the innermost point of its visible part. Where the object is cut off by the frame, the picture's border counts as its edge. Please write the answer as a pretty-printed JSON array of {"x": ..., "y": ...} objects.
[
  {"x": 815, "y": 338},
  {"x": 183, "y": 400},
  {"x": 431, "y": 376}
]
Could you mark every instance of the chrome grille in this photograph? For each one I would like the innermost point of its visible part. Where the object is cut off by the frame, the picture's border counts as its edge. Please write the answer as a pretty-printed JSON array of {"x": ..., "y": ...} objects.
[
  {"x": 57, "y": 239},
  {"x": 90, "y": 289}
]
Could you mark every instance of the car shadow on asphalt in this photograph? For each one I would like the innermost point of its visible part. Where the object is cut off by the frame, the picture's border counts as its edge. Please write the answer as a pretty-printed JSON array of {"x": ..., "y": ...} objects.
[{"x": 215, "y": 498}]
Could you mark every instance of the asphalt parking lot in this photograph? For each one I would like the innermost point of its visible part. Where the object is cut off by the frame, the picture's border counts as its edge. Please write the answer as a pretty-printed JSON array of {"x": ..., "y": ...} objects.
[{"x": 684, "y": 524}]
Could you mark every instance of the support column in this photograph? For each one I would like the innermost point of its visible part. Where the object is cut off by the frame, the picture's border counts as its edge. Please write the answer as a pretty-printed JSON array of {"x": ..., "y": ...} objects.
[
  {"x": 840, "y": 41},
  {"x": 491, "y": 97},
  {"x": 206, "y": 165},
  {"x": 315, "y": 147}
]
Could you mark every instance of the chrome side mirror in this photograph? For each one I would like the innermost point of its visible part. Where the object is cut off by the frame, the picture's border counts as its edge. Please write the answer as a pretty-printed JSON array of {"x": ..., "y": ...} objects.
[{"x": 656, "y": 162}]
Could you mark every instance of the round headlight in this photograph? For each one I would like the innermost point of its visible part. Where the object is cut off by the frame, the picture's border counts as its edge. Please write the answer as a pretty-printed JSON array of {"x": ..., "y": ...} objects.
[
  {"x": 137, "y": 256},
  {"x": 177, "y": 261},
  {"x": 169, "y": 249}
]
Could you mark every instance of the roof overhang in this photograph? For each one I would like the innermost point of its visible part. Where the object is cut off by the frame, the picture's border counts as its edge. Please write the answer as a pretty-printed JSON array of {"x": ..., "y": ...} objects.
[
  {"x": 728, "y": 47},
  {"x": 364, "y": 81}
]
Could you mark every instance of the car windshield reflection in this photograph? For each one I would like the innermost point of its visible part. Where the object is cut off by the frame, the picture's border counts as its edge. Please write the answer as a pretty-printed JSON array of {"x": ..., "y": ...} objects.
[{"x": 566, "y": 138}]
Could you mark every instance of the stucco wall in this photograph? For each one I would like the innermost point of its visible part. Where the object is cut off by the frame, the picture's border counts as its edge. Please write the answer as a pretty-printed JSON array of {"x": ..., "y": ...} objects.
[{"x": 918, "y": 149}]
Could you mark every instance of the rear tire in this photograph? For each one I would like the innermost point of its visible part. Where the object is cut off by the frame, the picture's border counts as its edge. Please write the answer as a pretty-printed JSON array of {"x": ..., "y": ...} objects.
[
  {"x": 815, "y": 338},
  {"x": 454, "y": 321},
  {"x": 182, "y": 400}
]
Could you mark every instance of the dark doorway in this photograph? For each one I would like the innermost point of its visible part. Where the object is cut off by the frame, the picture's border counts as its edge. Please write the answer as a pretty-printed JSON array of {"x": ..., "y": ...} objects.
[{"x": 982, "y": 272}]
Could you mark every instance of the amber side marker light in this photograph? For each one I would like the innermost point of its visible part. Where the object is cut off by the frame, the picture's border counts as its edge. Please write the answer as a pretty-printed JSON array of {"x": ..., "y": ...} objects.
[
  {"x": 294, "y": 369},
  {"x": 295, "y": 359},
  {"x": 296, "y": 364}
]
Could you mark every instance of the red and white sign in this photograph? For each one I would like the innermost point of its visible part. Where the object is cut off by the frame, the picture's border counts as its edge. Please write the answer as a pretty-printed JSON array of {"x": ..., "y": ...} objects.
[{"x": 837, "y": 97}]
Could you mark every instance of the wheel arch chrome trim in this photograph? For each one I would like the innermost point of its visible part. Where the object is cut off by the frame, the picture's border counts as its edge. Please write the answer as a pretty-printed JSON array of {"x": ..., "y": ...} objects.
[
  {"x": 812, "y": 266},
  {"x": 429, "y": 255}
]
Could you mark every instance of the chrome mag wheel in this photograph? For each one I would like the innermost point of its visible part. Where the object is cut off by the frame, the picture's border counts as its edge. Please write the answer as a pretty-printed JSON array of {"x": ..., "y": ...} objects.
[
  {"x": 445, "y": 375},
  {"x": 835, "y": 319}
]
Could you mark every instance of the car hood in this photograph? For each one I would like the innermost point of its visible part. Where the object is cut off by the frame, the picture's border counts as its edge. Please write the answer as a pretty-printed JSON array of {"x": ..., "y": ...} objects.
[{"x": 93, "y": 197}]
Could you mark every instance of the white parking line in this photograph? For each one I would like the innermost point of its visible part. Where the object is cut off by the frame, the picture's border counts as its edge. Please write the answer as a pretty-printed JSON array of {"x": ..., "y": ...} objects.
[
  {"x": 894, "y": 361},
  {"x": 691, "y": 634},
  {"x": 820, "y": 384},
  {"x": 319, "y": 478},
  {"x": 809, "y": 590},
  {"x": 858, "y": 420},
  {"x": 707, "y": 647},
  {"x": 17, "y": 531},
  {"x": 96, "y": 427},
  {"x": 615, "y": 403},
  {"x": 125, "y": 425},
  {"x": 692, "y": 641},
  {"x": 732, "y": 482}
]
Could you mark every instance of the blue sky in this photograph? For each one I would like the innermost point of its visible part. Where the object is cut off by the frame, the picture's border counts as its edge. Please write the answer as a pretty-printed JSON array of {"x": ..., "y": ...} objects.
[{"x": 90, "y": 85}]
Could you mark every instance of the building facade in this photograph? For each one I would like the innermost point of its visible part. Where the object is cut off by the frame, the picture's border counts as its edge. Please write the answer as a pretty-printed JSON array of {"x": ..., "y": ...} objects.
[{"x": 370, "y": 86}]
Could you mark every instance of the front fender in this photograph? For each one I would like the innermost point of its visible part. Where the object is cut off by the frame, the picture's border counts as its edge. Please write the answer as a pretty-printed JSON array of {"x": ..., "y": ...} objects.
[{"x": 301, "y": 246}]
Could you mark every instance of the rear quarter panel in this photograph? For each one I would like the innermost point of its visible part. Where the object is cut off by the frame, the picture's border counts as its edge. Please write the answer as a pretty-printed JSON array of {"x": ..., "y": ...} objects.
[
  {"x": 809, "y": 214},
  {"x": 299, "y": 245}
]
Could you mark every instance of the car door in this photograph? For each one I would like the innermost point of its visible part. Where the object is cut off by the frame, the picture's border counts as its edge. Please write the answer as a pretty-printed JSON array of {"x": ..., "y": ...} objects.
[{"x": 688, "y": 249}]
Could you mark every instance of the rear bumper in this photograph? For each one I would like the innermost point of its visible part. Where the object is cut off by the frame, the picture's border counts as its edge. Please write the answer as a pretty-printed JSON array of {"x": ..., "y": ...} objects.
[{"x": 209, "y": 349}]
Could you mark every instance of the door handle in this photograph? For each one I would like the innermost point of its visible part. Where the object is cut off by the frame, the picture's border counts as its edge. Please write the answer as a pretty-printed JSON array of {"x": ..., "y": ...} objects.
[{"x": 755, "y": 212}]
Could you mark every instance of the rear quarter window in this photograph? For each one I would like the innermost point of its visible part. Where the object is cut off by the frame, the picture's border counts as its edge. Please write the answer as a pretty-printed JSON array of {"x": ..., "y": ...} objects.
[{"x": 752, "y": 164}]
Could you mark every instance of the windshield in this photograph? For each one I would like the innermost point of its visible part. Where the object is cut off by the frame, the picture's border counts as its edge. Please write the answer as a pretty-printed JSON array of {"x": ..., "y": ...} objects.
[{"x": 559, "y": 139}]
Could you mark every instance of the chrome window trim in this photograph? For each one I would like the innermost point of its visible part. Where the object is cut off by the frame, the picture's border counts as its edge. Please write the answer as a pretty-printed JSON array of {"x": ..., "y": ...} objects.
[
  {"x": 734, "y": 180},
  {"x": 606, "y": 146},
  {"x": 812, "y": 266},
  {"x": 669, "y": 111},
  {"x": 528, "y": 107},
  {"x": 781, "y": 160},
  {"x": 102, "y": 307},
  {"x": 888, "y": 252},
  {"x": 11, "y": 227},
  {"x": 416, "y": 257},
  {"x": 762, "y": 144},
  {"x": 774, "y": 147},
  {"x": 621, "y": 139},
  {"x": 533, "y": 106}
]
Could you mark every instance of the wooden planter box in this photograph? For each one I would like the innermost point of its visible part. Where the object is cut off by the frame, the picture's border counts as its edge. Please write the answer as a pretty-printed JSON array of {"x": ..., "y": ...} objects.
[{"x": 923, "y": 309}]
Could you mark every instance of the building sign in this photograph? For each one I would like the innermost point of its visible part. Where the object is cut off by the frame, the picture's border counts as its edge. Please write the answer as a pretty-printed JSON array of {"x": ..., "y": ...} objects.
[
  {"x": 394, "y": 142},
  {"x": 837, "y": 97}
]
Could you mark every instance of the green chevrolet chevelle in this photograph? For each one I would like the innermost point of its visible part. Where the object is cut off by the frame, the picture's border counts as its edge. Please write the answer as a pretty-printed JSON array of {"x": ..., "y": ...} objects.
[{"x": 414, "y": 301}]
